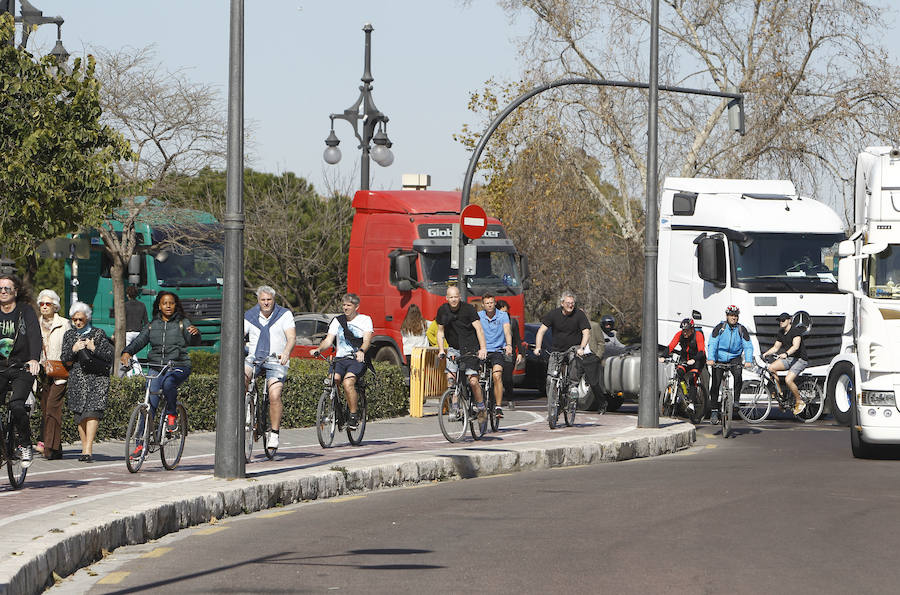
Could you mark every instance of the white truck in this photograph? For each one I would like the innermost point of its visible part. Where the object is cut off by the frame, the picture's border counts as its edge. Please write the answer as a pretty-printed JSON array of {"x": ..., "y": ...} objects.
[
  {"x": 758, "y": 245},
  {"x": 866, "y": 377}
]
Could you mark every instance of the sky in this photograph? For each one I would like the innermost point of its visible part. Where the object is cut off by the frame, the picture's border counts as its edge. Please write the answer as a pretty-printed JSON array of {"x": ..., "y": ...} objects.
[{"x": 303, "y": 61}]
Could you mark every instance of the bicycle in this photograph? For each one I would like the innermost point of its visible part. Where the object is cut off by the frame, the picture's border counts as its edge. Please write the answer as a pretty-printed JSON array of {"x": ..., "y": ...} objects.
[
  {"x": 726, "y": 394},
  {"x": 486, "y": 379},
  {"x": 756, "y": 398},
  {"x": 9, "y": 451},
  {"x": 332, "y": 414},
  {"x": 458, "y": 410},
  {"x": 256, "y": 411},
  {"x": 558, "y": 386},
  {"x": 679, "y": 398},
  {"x": 143, "y": 438}
]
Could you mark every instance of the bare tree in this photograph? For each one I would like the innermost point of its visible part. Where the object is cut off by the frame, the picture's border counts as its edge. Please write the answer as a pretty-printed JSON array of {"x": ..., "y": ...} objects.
[{"x": 175, "y": 128}]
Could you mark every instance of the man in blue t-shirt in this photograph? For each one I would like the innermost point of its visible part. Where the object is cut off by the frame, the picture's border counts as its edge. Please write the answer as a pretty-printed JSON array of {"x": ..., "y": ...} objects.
[{"x": 498, "y": 340}]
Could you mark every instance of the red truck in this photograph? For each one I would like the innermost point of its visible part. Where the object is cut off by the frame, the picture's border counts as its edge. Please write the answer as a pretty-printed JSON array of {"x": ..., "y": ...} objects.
[{"x": 400, "y": 255}]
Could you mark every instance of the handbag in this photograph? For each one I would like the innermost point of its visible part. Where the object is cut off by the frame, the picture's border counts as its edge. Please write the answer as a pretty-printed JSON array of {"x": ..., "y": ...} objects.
[{"x": 54, "y": 368}]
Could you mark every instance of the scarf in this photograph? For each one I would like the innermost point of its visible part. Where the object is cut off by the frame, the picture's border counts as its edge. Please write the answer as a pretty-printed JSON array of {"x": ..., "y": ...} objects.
[{"x": 262, "y": 344}]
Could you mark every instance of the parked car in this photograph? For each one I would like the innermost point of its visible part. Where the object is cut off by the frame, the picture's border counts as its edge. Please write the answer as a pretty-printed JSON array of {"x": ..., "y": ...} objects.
[{"x": 311, "y": 329}]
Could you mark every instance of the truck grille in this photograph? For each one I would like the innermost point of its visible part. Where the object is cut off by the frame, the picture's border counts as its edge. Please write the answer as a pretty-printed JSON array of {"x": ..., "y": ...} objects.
[
  {"x": 202, "y": 309},
  {"x": 822, "y": 344}
]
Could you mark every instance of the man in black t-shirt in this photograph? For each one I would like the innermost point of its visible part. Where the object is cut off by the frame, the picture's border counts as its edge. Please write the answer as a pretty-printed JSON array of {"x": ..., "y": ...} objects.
[
  {"x": 791, "y": 356},
  {"x": 571, "y": 328},
  {"x": 459, "y": 323},
  {"x": 20, "y": 351}
]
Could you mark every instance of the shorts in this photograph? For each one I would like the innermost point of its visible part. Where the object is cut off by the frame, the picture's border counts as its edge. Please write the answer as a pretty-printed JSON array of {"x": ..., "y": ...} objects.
[
  {"x": 470, "y": 361},
  {"x": 497, "y": 358},
  {"x": 795, "y": 365},
  {"x": 274, "y": 370},
  {"x": 349, "y": 365}
]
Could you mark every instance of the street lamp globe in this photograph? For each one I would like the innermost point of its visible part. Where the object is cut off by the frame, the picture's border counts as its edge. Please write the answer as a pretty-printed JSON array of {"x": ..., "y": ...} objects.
[
  {"x": 382, "y": 155},
  {"x": 332, "y": 154}
]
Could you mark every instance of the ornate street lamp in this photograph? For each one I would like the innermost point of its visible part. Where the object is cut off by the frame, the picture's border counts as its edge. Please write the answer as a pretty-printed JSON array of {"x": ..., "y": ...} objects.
[{"x": 363, "y": 109}]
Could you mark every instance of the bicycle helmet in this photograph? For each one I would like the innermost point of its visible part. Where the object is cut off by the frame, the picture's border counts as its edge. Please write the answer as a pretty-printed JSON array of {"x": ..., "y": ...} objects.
[
  {"x": 607, "y": 322},
  {"x": 732, "y": 309},
  {"x": 687, "y": 323}
]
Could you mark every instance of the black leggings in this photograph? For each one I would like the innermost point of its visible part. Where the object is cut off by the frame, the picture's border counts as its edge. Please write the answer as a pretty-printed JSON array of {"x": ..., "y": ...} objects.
[{"x": 21, "y": 382}]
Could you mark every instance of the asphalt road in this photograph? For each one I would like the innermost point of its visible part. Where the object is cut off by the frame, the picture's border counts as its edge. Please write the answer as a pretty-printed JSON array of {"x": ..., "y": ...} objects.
[{"x": 779, "y": 508}]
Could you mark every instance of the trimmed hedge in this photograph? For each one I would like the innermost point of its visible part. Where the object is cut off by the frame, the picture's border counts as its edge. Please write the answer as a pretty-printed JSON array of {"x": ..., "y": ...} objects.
[{"x": 387, "y": 397}]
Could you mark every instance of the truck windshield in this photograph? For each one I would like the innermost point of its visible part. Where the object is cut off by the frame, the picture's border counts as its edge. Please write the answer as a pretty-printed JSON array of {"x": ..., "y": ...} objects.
[
  {"x": 884, "y": 274},
  {"x": 495, "y": 272},
  {"x": 201, "y": 267},
  {"x": 786, "y": 262}
]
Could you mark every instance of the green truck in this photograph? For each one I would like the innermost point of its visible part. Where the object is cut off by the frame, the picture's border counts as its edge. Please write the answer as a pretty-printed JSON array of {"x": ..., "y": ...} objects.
[{"x": 193, "y": 271}]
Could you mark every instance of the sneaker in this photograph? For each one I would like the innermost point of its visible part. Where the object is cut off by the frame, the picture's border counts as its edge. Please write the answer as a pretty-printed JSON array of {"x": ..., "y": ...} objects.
[
  {"x": 799, "y": 406},
  {"x": 481, "y": 412},
  {"x": 138, "y": 450},
  {"x": 498, "y": 412},
  {"x": 171, "y": 423},
  {"x": 26, "y": 454},
  {"x": 454, "y": 412},
  {"x": 353, "y": 422},
  {"x": 272, "y": 440},
  {"x": 714, "y": 417}
]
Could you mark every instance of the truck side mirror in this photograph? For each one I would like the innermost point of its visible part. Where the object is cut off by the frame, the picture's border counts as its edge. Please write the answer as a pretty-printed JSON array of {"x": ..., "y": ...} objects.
[
  {"x": 846, "y": 248},
  {"x": 846, "y": 275},
  {"x": 134, "y": 269},
  {"x": 711, "y": 261},
  {"x": 523, "y": 264},
  {"x": 403, "y": 264}
]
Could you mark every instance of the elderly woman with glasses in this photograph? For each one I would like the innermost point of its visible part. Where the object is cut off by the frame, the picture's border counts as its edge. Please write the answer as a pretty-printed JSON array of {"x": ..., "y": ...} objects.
[
  {"x": 53, "y": 327},
  {"x": 91, "y": 354}
]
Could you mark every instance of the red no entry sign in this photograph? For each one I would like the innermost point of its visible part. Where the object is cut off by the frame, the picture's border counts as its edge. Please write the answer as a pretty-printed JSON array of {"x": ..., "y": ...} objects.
[{"x": 473, "y": 221}]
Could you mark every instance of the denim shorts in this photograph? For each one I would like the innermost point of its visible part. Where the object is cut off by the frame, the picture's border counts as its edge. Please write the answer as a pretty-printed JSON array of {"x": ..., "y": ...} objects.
[
  {"x": 795, "y": 365},
  {"x": 274, "y": 370},
  {"x": 470, "y": 362}
]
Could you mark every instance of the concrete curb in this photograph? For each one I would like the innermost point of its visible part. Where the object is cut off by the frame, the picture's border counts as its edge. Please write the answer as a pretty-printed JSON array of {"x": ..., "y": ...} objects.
[{"x": 63, "y": 551}]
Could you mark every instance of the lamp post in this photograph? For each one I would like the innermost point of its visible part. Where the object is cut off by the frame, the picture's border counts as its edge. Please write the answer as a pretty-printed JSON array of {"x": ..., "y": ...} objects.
[
  {"x": 31, "y": 17},
  {"x": 363, "y": 109}
]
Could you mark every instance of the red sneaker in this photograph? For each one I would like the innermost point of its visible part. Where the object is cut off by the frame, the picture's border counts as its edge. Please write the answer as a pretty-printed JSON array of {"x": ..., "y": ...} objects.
[
  {"x": 138, "y": 450},
  {"x": 171, "y": 423}
]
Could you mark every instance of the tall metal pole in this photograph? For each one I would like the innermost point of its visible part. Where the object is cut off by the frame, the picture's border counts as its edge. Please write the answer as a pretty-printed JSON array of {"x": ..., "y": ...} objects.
[
  {"x": 366, "y": 91},
  {"x": 648, "y": 414},
  {"x": 229, "y": 423}
]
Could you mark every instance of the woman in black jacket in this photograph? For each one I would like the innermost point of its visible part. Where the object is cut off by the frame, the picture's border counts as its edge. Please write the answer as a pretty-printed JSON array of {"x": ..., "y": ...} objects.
[{"x": 169, "y": 334}]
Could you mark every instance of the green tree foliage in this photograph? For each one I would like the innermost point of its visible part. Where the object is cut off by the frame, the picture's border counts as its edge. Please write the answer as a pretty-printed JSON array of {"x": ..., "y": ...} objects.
[
  {"x": 56, "y": 158},
  {"x": 295, "y": 240}
]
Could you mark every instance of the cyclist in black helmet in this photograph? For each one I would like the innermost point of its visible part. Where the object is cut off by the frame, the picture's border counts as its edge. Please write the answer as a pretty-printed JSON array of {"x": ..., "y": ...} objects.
[
  {"x": 693, "y": 353},
  {"x": 612, "y": 345}
]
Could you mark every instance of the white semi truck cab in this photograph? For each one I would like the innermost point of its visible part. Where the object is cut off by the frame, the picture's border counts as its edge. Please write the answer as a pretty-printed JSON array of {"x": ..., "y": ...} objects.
[
  {"x": 755, "y": 244},
  {"x": 867, "y": 377}
]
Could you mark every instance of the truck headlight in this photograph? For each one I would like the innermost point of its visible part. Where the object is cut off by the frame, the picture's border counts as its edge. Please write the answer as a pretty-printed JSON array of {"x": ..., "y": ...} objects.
[{"x": 878, "y": 398}]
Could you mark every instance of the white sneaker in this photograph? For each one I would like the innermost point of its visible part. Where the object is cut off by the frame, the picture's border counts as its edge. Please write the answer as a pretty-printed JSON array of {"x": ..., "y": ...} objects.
[{"x": 272, "y": 440}]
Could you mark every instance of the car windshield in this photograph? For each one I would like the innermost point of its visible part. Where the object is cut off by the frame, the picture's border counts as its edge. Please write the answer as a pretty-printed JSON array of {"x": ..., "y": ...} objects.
[
  {"x": 494, "y": 271},
  {"x": 786, "y": 262},
  {"x": 884, "y": 274}
]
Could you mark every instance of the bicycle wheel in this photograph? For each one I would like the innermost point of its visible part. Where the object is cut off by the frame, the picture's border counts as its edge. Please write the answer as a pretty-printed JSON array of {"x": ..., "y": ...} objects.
[
  {"x": 755, "y": 403},
  {"x": 249, "y": 422},
  {"x": 727, "y": 410},
  {"x": 453, "y": 420},
  {"x": 171, "y": 444},
  {"x": 495, "y": 421},
  {"x": 14, "y": 468},
  {"x": 667, "y": 401},
  {"x": 552, "y": 402},
  {"x": 356, "y": 436},
  {"x": 137, "y": 434},
  {"x": 811, "y": 393},
  {"x": 476, "y": 427},
  {"x": 263, "y": 426},
  {"x": 569, "y": 409},
  {"x": 326, "y": 417}
]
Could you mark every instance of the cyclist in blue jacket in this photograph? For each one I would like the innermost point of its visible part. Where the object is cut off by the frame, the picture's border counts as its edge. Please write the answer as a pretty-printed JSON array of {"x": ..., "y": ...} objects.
[{"x": 730, "y": 341}]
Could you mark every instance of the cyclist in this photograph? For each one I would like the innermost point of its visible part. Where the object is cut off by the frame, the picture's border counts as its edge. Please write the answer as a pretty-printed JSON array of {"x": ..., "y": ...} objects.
[
  {"x": 570, "y": 327},
  {"x": 729, "y": 341},
  {"x": 693, "y": 353},
  {"x": 20, "y": 343},
  {"x": 498, "y": 341},
  {"x": 169, "y": 334},
  {"x": 612, "y": 344},
  {"x": 791, "y": 356},
  {"x": 517, "y": 356},
  {"x": 460, "y": 324},
  {"x": 353, "y": 332},
  {"x": 269, "y": 329}
]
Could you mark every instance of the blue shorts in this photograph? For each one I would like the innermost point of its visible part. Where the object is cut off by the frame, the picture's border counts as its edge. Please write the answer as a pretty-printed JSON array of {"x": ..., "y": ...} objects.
[
  {"x": 349, "y": 365},
  {"x": 274, "y": 370}
]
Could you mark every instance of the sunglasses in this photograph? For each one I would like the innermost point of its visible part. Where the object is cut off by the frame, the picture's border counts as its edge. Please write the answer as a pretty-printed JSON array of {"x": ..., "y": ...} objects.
[
  {"x": 5, "y": 289},
  {"x": 46, "y": 304}
]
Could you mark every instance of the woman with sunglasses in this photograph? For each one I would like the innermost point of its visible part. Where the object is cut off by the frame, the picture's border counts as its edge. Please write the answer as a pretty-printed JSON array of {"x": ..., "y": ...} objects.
[{"x": 53, "y": 390}]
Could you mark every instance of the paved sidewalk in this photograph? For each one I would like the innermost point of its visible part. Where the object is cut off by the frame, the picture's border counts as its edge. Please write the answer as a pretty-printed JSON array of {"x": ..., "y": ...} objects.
[{"x": 69, "y": 513}]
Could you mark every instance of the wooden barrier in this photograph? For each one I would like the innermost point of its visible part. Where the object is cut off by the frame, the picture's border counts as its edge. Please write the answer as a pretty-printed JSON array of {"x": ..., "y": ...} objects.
[{"x": 427, "y": 378}]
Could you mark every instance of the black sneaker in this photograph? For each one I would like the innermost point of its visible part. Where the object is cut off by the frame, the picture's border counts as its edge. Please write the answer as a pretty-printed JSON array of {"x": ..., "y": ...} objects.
[
  {"x": 353, "y": 421},
  {"x": 498, "y": 412}
]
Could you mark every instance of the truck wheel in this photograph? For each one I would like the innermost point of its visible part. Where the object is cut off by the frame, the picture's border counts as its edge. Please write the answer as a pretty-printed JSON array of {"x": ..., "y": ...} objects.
[
  {"x": 613, "y": 402},
  {"x": 389, "y": 355},
  {"x": 861, "y": 449},
  {"x": 840, "y": 392}
]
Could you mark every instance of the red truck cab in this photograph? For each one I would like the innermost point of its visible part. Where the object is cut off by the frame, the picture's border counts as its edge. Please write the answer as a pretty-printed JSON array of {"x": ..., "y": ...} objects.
[{"x": 400, "y": 255}]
